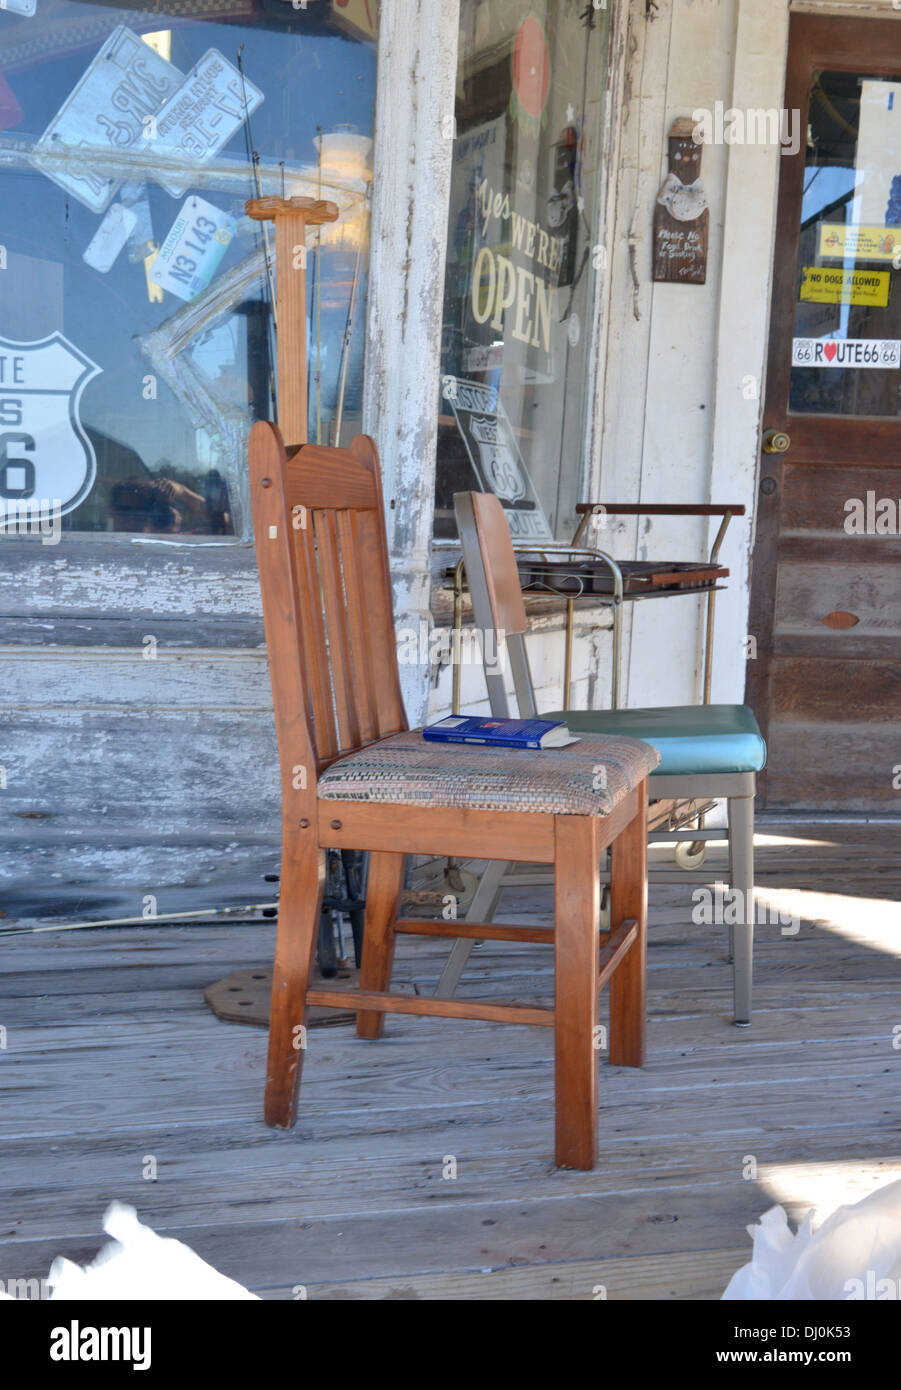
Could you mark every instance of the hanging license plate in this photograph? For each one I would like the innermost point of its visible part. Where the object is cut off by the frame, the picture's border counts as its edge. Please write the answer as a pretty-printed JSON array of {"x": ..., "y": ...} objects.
[
  {"x": 847, "y": 352},
  {"x": 198, "y": 120},
  {"x": 190, "y": 255},
  {"x": 109, "y": 238},
  {"x": 126, "y": 83}
]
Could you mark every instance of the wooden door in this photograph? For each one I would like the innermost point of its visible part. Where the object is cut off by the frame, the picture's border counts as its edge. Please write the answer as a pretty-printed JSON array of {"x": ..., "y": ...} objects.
[{"x": 826, "y": 589}]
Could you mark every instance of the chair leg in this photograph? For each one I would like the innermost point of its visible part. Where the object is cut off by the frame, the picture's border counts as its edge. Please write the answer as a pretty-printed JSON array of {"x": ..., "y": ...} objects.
[
  {"x": 300, "y": 904},
  {"x": 383, "y": 888},
  {"x": 577, "y": 902},
  {"x": 741, "y": 832},
  {"x": 481, "y": 909},
  {"x": 629, "y": 900}
]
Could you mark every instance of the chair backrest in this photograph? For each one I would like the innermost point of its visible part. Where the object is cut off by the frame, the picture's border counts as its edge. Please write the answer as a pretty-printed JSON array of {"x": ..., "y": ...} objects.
[
  {"x": 497, "y": 601},
  {"x": 326, "y": 589}
]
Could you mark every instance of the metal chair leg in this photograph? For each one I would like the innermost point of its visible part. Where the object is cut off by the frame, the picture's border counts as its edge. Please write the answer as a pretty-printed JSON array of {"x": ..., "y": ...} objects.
[
  {"x": 481, "y": 909},
  {"x": 741, "y": 826}
]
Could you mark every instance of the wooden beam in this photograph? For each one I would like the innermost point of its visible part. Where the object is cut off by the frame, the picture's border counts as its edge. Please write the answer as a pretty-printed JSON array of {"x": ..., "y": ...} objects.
[
  {"x": 439, "y": 1008},
  {"x": 629, "y": 904},
  {"x": 522, "y": 836},
  {"x": 577, "y": 906},
  {"x": 480, "y": 931}
]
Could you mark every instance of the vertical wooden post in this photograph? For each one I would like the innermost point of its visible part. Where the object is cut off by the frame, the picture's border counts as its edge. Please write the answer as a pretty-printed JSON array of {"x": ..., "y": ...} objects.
[
  {"x": 577, "y": 905},
  {"x": 291, "y": 216},
  {"x": 629, "y": 900}
]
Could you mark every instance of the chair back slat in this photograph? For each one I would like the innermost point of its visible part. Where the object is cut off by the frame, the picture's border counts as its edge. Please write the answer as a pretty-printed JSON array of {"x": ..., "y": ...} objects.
[
  {"x": 312, "y": 633},
  {"x": 370, "y": 539},
  {"x": 358, "y": 624},
  {"x": 329, "y": 478},
  {"x": 324, "y": 576},
  {"x": 332, "y": 582}
]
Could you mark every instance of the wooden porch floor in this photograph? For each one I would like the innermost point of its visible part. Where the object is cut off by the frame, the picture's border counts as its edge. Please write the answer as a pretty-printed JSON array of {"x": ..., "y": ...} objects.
[{"x": 111, "y": 1057}]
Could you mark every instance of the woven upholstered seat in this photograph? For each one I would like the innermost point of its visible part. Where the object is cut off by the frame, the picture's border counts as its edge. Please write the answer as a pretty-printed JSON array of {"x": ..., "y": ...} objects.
[{"x": 590, "y": 778}]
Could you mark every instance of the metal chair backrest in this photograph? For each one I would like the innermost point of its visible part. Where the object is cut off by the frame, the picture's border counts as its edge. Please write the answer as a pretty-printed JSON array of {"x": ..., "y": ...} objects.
[{"x": 497, "y": 601}]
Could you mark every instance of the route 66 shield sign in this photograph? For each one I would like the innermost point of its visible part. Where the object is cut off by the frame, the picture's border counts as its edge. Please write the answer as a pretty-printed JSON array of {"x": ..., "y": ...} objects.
[{"x": 45, "y": 454}]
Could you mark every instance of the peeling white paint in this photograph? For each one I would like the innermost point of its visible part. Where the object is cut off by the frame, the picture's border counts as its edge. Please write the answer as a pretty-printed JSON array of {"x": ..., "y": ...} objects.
[
  {"x": 129, "y": 582},
  {"x": 411, "y": 191}
]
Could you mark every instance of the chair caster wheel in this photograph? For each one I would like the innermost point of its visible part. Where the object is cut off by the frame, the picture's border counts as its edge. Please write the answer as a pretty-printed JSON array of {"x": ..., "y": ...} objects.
[{"x": 690, "y": 854}]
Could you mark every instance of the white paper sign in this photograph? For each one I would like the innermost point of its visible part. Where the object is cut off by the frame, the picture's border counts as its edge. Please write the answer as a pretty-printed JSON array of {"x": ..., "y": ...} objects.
[
  {"x": 109, "y": 238},
  {"x": 45, "y": 454},
  {"x": 27, "y": 7},
  {"x": 140, "y": 238},
  {"x": 878, "y": 152},
  {"x": 847, "y": 352},
  {"x": 198, "y": 120},
  {"x": 127, "y": 82},
  {"x": 190, "y": 255}
]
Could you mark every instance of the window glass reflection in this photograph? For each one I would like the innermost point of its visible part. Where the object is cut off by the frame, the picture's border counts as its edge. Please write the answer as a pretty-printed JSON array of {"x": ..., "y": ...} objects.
[{"x": 136, "y": 335}]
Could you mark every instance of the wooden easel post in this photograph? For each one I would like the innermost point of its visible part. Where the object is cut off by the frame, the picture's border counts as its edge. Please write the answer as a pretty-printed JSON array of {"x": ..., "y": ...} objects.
[{"x": 291, "y": 216}]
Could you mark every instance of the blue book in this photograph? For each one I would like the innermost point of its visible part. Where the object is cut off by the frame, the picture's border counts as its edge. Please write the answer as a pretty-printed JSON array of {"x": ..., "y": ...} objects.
[{"x": 500, "y": 733}]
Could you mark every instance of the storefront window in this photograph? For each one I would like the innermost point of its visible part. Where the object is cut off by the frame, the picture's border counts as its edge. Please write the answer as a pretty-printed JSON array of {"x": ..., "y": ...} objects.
[
  {"x": 136, "y": 333},
  {"x": 523, "y": 257},
  {"x": 846, "y": 353}
]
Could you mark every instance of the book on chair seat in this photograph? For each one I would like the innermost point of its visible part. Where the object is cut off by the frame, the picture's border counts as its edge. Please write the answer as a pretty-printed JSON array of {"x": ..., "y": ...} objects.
[{"x": 501, "y": 733}]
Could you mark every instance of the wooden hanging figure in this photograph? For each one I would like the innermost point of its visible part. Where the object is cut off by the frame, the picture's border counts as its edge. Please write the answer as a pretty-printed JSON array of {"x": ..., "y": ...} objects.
[{"x": 682, "y": 217}]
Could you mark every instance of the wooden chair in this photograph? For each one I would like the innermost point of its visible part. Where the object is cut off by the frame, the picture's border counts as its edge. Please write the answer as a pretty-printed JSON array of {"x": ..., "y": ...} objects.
[{"x": 353, "y": 777}]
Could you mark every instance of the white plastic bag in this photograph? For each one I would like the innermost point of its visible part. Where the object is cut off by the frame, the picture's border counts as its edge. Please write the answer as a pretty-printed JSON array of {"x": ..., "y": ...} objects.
[
  {"x": 855, "y": 1254},
  {"x": 139, "y": 1264}
]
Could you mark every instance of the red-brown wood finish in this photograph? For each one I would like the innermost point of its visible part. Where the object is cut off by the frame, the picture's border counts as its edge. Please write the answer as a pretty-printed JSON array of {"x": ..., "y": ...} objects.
[{"x": 324, "y": 576}]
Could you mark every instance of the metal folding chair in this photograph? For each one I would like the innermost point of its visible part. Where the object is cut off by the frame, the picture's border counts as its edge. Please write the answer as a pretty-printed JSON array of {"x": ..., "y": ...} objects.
[{"x": 707, "y": 752}]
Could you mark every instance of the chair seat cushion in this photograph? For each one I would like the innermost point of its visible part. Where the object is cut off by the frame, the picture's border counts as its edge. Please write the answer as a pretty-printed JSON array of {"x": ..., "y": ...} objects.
[
  {"x": 690, "y": 738},
  {"x": 590, "y": 778}
]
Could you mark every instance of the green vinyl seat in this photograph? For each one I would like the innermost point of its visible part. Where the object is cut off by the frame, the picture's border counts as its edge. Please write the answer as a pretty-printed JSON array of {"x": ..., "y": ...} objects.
[{"x": 691, "y": 739}]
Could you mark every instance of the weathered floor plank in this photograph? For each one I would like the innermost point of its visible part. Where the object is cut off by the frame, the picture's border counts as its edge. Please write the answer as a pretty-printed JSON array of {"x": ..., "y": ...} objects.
[{"x": 111, "y": 1059}]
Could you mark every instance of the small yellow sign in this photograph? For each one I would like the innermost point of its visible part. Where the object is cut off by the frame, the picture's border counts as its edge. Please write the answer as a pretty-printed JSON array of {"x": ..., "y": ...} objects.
[
  {"x": 838, "y": 241},
  {"x": 154, "y": 291},
  {"x": 823, "y": 284}
]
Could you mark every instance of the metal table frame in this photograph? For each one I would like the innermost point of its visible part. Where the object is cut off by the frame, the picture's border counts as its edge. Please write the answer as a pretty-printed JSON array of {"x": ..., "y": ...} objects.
[{"x": 589, "y": 510}]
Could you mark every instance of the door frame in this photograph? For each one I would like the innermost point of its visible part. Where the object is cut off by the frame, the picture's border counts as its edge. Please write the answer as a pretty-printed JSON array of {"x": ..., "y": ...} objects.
[{"x": 835, "y": 43}]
